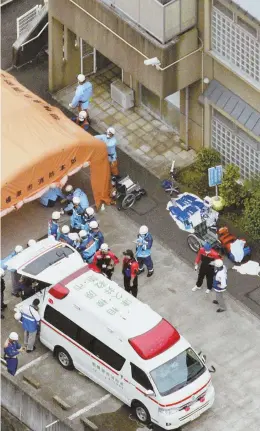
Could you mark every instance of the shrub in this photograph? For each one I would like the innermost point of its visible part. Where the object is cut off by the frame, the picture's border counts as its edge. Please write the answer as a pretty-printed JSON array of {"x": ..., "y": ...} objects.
[
  {"x": 230, "y": 190},
  {"x": 207, "y": 158},
  {"x": 251, "y": 214},
  {"x": 195, "y": 181}
]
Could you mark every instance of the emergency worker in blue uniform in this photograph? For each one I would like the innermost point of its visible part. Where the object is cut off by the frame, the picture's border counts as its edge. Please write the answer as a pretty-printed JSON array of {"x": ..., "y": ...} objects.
[
  {"x": 88, "y": 216},
  {"x": 11, "y": 350},
  {"x": 81, "y": 120},
  {"x": 83, "y": 94},
  {"x": 4, "y": 261},
  {"x": 77, "y": 213},
  {"x": 97, "y": 234},
  {"x": 53, "y": 226},
  {"x": 143, "y": 250},
  {"x": 49, "y": 198},
  {"x": 88, "y": 246},
  {"x": 77, "y": 193},
  {"x": 111, "y": 142},
  {"x": 65, "y": 236}
]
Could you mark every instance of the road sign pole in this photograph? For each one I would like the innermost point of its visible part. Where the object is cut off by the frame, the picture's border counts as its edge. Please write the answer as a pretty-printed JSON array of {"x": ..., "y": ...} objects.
[{"x": 217, "y": 198}]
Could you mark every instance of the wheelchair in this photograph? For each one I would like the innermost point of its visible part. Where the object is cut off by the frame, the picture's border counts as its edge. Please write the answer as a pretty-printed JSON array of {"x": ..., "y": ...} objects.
[
  {"x": 126, "y": 192},
  {"x": 202, "y": 233}
]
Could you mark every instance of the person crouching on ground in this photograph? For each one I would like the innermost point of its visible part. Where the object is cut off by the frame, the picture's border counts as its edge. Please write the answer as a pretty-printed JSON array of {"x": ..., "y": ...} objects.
[{"x": 130, "y": 272}]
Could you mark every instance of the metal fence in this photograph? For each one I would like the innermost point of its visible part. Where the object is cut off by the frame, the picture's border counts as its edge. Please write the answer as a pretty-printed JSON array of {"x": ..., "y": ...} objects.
[
  {"x": 163, "y": 19},
  {"x": 23, "y": 23}
]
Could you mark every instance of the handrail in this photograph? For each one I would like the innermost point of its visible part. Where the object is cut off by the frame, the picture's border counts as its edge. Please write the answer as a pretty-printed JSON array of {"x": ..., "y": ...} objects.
[{"x": 36, "y": 37}]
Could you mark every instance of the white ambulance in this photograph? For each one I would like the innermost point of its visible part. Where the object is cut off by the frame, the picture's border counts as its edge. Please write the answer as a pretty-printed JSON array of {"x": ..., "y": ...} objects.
[
  {"x": 92, "y": 324},
  {"x": 46, "y": 262}
]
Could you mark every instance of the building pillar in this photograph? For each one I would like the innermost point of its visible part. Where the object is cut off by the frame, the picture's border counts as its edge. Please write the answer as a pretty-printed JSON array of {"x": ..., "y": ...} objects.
[
  {"x": 55, "y": 55},
  {"x": 207, "y": 125},
  {"x": 207, "y": 25},
  {"x": 71, "y": 58}
]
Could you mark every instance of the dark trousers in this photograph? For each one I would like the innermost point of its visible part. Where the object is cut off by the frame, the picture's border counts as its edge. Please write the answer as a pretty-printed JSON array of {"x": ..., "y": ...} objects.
[
  {"x": 147, "y": 261},
  {"x": 208, "y": 273},
  {"x": 12, "y": 364},
  {"x": 108, "y": 273},
  {"x": 51, "y": 203},
  {"x": 127, "y": 285}
]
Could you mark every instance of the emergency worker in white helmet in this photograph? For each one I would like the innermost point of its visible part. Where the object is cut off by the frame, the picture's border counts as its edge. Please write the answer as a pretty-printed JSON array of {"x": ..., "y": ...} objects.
[
  {"x": 82, "y": 120},
  {"x": 53, "y": 225},
  {"x": 104, "y": 261},
  {"x": 31, "y": 242},
  {"x": 77, "y": 213},
  {"x": 88, "y": 216},
  {"x": 143, "y": 250},
  {"x": 97, "y": 234},
  {"x": 83, "y": 94},
  {"x": 77, "y": 193},
  {"x": 110, "y": 140},
  {"x": 11, "y": 350},
  {"x": 65, "y": 236}
]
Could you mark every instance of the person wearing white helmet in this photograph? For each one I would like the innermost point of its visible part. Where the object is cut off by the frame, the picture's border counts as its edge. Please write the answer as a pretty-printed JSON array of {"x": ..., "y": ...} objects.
[
  {"x": 53, "y": 225},
  {"x": 77, "y": 213},
  {"x": 83, "y": 94},
  {"x": 31, "y": 242},
  {"x": 77, "y": 193},
  {"x": 64, "y": 236},
  {"x": 104, "y": 261},
  {"x": 49, "y": 198},
  {"x": 88, "y": 216},
  {"x": 143, "y": 250},
  {"x": 87, "y": 246},
  {"x": 219, "y": 284},
  {"x": 3, "y": 305},
  {"x": 110, "y": 140},
  {"x": 97, "y": 234},
  {"x": 82, "y": 120},
  {"x": 11, "y": 350}
]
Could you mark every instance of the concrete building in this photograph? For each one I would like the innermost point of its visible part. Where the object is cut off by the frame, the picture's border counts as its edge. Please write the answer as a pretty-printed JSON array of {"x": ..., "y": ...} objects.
[{"x": 206, "y": 80}]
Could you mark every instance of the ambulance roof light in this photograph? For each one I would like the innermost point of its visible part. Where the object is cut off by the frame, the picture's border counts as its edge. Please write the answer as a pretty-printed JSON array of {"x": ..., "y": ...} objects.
[{"x": 59, "y": 291}]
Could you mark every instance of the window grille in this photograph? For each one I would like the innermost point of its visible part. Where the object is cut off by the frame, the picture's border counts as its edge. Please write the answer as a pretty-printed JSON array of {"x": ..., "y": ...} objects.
[
  {"x": 235, "y": 150},
  {"x": 235, "y": 45}
]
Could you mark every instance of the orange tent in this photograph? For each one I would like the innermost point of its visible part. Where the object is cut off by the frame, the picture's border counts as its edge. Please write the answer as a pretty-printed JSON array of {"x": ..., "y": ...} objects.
[{"x": 41, "y": 146}]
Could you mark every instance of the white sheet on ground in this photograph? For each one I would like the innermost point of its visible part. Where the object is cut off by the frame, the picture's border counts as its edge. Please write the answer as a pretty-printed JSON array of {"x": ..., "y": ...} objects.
[
  {"x": 250, "y": 268},
  {"x": 237, "y": 249}
]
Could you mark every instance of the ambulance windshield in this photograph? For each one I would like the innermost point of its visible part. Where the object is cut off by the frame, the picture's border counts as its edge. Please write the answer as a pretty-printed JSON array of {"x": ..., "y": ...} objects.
[{"x": 178, "y": 372}]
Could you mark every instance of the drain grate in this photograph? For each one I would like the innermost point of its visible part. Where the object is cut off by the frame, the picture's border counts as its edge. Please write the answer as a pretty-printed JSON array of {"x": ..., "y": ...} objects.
[{"x": 144, "y": 206}]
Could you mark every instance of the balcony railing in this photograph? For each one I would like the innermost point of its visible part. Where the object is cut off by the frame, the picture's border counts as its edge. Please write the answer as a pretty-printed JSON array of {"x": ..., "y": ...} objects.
[{"x": 163, "y": 19}]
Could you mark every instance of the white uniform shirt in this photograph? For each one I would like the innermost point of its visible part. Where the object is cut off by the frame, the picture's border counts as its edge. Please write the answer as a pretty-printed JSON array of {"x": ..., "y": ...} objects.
[{"x": 221, "y": 278}]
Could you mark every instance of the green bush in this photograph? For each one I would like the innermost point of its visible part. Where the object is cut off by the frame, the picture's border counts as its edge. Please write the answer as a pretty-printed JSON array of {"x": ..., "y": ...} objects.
[
  {"x": 207, "y": 158},
  {"x": 251, "y": 214},
  {"x": 195, "y": 181},
  {"x": 232, "y": 192}
]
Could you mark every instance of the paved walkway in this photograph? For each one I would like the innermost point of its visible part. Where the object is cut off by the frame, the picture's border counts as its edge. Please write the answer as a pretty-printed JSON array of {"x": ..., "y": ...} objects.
[{"x": 147, "y": 140}]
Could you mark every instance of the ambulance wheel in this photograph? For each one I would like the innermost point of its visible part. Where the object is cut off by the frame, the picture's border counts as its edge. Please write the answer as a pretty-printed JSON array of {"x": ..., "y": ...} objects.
[
  {"x": 64, "y": 358},
  {"x": 193, "y": 243},
  {"x": 141, "y": 413}
]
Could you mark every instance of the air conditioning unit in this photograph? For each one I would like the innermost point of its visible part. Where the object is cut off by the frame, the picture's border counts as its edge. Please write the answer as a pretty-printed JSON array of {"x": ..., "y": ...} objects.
[{"x": 122, "y": 94}]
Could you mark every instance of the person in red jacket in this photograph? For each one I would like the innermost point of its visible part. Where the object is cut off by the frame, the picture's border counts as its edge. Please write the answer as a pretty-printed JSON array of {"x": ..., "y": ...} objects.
[
  {"x": 130, "y": 271},
  {"x": 104, "y": 261},
  {"x": 205, "y": 256}
]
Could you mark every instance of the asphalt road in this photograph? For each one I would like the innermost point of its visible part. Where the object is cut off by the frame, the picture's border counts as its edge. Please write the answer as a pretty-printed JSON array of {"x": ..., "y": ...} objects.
[{"x": 150, "y": 210}]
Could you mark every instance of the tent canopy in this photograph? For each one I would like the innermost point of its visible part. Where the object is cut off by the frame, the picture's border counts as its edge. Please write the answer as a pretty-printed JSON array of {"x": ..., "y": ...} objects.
[{"x": 41, "y": 146}]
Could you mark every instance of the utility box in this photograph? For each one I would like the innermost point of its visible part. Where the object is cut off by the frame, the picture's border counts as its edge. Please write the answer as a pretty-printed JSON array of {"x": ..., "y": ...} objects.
[{"x": 122, "y": 94}]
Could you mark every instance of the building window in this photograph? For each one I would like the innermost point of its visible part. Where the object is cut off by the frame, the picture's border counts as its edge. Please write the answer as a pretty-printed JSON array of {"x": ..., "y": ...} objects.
[
  {"x": 235, "y": 149},
  {"x": 236, "y": 43}
]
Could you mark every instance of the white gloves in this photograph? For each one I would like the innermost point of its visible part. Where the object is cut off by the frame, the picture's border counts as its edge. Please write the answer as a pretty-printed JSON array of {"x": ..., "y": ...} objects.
[
  {"x": 196, "y": 266},
  {"x": 70, "y": 105}
]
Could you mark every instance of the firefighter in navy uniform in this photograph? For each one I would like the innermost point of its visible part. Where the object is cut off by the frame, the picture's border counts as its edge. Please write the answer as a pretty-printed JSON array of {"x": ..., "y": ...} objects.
[
  {"x": 130, "y": 272},
  {"x": 104, "y": 261},
  {"x": 11, "y": 350}
]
